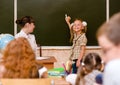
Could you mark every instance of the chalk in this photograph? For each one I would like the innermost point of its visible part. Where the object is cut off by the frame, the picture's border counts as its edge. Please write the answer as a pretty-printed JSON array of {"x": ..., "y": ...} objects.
[{"x": 65, "y": 15}]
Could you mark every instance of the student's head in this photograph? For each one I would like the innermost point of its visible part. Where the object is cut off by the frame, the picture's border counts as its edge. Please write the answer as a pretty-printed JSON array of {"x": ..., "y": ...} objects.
[
  {"x": 19, "y": 59},
  {"x": 26, "y": 22},
  {"x": 108, "y": 37},
  {"x": 19, "y": 46},
  {"x": 78, "y": 27},
  {"x": 92, "y": 61}
]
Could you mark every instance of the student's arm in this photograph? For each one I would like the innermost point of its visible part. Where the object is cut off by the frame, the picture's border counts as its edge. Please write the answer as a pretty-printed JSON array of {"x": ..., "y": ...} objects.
[
  {"x": 2, "y": 70},
  {"x": 67, "y": 19},
  {"x": 44, "y": 75},
  {"x": 43, "y": 72},
  {"x": 81, "y": 55}
]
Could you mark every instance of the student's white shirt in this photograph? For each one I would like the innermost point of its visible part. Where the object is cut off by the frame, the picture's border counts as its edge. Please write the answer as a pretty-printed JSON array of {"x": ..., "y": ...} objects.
[
  {"x": 30, "y": 38},
  {"x": 41, "y": 71},
  {"x": 112, "y": 73},
  {"x": 71, "y": 78}
]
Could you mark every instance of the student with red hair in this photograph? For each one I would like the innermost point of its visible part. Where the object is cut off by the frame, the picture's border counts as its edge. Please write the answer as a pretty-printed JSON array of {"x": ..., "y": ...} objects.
[{"x": 18, "y": 61}]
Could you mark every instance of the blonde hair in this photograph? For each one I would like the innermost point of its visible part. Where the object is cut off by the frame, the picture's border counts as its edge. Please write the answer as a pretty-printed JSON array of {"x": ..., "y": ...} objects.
[
  {"x": 19, "y": 60},
  {"x": 72, "y": 32}
]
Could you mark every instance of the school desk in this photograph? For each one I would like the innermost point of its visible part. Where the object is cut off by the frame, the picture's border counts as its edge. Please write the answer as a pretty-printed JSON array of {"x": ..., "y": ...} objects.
[
  {"x": 48, "y": 62},
  {"x": 46, "y": 81}
]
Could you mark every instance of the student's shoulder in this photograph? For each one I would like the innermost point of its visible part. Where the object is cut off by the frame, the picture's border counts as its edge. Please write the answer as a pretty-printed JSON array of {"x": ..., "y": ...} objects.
[
  {"x": 83, "y": 36},
  {"x": 113, "y": 65}
]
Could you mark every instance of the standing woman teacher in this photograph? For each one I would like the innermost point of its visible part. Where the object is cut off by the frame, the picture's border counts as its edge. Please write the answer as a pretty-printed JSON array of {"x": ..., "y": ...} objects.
[{"x": 27, "y": 26}]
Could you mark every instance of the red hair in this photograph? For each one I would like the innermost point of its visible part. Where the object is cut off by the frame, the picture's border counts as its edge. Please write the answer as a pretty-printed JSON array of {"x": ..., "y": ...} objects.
[{"x": 19, "y": 60}]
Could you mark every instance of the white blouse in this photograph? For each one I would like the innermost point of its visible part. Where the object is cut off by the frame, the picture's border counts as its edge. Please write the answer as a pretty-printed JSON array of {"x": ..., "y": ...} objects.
[{"x": 30, "y": 38}]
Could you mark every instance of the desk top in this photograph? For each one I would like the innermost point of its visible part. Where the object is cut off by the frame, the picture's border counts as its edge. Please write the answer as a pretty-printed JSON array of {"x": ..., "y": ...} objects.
[
  {"x": 48, "y": 60},
  {"x": 46, "y": 81}
]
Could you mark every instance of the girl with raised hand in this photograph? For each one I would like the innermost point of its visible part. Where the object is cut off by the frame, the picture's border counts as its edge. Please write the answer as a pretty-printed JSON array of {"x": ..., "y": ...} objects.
[{"x": 78, "y": 38}]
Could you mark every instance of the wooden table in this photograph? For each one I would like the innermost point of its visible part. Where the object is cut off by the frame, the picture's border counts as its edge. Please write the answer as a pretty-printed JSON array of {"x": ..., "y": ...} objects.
[
  {"x": 48, "y": 63},
  {"x": 46, "y": 81}
]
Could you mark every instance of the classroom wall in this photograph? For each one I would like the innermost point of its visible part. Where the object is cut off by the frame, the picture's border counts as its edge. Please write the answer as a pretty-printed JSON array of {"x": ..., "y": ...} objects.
[{"x": 62, "y": 53}]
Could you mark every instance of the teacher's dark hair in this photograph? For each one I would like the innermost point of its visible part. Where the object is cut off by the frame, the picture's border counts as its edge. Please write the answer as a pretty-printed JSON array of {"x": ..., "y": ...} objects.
[{"x": 26, "y": 19}]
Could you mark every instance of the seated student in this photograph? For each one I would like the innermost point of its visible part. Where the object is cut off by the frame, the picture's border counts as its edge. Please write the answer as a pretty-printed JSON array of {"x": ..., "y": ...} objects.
[
  {"x": 91, "y": 66},
  {"x": 108, "y": 36},
  {"x": 19, "y": 61}
]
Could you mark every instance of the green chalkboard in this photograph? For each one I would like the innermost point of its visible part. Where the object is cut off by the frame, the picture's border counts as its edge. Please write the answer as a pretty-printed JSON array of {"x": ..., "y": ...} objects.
[
  {"x": 51, "y": 28},
  {"x": 6, "y": 16},
  {"x": 114, "y": 6}
]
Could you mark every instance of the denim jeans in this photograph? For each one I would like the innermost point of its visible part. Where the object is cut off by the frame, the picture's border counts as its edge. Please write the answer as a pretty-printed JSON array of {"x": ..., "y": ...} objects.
[{"x": 74, "y": 68}]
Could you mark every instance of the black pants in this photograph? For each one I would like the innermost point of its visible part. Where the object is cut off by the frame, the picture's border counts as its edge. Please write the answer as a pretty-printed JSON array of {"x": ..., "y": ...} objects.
[{"x": 74, "y": 68}]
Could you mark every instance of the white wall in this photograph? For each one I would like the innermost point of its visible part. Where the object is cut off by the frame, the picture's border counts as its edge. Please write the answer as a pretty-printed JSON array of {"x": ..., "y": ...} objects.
[{"x": 61, "y": 53}]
